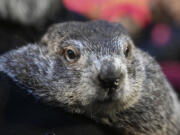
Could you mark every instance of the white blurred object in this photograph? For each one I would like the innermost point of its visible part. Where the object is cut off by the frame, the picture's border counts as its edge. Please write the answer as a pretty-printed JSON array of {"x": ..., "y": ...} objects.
[{"x": 29, "y": 12}]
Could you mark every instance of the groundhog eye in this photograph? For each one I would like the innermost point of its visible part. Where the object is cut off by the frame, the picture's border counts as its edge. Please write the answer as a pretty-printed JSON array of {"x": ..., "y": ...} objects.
[
  {"x": 126, "y": 52},
  {"x": 71, "y": 54}
]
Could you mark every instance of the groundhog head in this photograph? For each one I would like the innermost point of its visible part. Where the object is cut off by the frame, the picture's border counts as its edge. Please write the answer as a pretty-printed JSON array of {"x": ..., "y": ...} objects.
[{"x": 79, "y": 66}]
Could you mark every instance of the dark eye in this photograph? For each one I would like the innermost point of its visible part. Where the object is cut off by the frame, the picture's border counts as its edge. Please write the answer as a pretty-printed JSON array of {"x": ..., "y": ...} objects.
[
  {"x": 71, "y": 54},
  {"x": 126, "y": 52}
]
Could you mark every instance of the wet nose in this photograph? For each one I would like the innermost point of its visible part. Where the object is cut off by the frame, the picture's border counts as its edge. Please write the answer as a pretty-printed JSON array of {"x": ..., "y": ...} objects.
[{"x": 109, "y": 76}]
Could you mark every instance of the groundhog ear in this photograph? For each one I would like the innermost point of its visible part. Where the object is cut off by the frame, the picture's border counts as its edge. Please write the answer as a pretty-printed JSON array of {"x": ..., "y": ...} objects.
[{"x": 44, "y": 40}]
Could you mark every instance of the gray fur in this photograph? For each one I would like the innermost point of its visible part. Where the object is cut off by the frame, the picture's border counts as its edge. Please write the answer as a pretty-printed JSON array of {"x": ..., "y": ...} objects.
[
  {"x": 29, "y": 12},
  {"x": 143, "y": 104}
]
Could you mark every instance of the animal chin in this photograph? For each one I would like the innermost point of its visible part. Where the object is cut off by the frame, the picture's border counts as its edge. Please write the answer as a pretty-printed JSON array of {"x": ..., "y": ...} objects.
[
  {"x": 107, "y": 100},
  {"x": 109, "y": 96}
]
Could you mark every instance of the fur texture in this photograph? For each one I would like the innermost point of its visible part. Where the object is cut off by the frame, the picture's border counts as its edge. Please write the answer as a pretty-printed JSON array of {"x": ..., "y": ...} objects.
[{"x": 143, "y": 103}]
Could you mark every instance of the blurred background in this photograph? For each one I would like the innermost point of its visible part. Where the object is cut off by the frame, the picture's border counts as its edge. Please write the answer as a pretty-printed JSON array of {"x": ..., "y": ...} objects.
[{"x": 154, "y": 26}]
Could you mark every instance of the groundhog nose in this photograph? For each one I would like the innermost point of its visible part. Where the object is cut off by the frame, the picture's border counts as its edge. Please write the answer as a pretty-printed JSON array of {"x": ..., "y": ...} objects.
[{"x": 109, "y": 76}]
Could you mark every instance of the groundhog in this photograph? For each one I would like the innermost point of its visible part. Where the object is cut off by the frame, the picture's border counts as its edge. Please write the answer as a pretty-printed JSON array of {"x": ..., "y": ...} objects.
[{"x": 94, "y": 69}]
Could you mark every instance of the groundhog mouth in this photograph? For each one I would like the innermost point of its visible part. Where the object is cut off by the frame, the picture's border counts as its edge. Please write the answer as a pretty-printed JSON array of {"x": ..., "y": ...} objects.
[{"x": 109, "y": 96}]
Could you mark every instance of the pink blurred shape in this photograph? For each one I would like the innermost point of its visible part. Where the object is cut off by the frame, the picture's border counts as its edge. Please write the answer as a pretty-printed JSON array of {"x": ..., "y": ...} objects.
[
  {"x": 172, "y": 71},
  {"x": 112, "y": 10},
  {"x": 161, "y": 34}
]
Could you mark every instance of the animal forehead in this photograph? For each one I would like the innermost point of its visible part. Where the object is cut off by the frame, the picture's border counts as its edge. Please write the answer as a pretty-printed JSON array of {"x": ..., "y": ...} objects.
[
  {"x": 93, "y": 34},
  {"x": 101, "y": 30},
  {"x": 102, "y": 46}
]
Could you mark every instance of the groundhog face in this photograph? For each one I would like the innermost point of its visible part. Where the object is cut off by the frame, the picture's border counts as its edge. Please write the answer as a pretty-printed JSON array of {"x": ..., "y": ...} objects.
[{"x": 79, "y": 66}]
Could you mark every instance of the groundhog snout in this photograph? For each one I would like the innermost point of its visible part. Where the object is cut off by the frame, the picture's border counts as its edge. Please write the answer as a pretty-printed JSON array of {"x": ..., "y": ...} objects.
[{"x": 110, "y": 75}]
